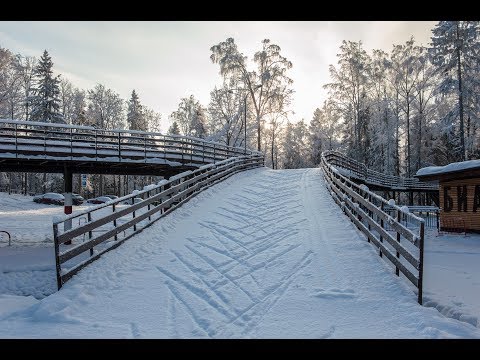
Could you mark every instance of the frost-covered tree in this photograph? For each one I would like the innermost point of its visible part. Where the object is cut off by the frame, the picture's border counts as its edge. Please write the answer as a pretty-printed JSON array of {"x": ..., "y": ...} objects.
[
  {"x": 27, "y": 65},
  {"x": 105, "y": 108},
  {"x": 10, "y": 85},
  {"x": 348, "y": 89},
  {"x": 190, "y": 117},
  {"x": 67, "y": 91},
  {"x": 406, "y": 67},
  {"x": 266, "y": 85},
  {"x": 153, "y": 120},
  {"x": 45, "y": 98},
  {"x": 295, "y": 146},
  {"x": 455, "y": 51},
  {"x": 79, "y": 108},
  {"x": 323, "y": 131},
  {"x": 227, "y": 111}
]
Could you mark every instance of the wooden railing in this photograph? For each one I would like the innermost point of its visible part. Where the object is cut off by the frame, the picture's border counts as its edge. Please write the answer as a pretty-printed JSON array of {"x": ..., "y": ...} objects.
[
  {"x": 110, "y": 224},
  {"x": 357, "y": 170},
  {"x": 26, "y": 139},
  {"x": 401, "y": 245}
]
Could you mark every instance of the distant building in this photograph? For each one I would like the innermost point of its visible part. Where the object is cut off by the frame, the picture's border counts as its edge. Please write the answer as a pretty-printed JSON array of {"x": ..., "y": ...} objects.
[{"x": 459, "y": 192}]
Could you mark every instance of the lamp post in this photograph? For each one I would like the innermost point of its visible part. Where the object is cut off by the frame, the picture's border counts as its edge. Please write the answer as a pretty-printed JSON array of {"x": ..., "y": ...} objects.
[{"x": 245, "y": 112}]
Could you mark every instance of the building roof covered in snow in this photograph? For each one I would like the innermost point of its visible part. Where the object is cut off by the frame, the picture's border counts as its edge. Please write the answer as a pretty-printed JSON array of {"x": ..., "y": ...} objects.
[{"x": 457, "y": 170}]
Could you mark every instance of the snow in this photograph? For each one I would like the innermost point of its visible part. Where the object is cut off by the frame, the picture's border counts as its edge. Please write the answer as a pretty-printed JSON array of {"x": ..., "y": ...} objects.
[
  {"x": 391, "y": 202},
  {"x": 43, "y": 124},
  {"x": 453, "y": 167},
  {"x": 179, "y": 176},
  {"x": 451, "y": 269},
  {"x": 149, "y": 187},
  {"x": 261, "y": 255},
  {"x": 12, "y": 303},
  {"x": 364, "y": 187},
  {"x": 405, "y": 209}
]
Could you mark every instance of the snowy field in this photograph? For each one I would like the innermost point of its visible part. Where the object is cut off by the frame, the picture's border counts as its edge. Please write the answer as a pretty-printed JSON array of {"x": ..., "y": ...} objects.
[{"x": 265, "y": 254}]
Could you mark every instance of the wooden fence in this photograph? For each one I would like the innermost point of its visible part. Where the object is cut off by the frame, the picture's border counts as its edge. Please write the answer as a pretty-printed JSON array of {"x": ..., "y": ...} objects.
[
  {"x": 355, "y": 169},
  {"x": 104, "y": 227},
  {"x": 401, "y": 245}
]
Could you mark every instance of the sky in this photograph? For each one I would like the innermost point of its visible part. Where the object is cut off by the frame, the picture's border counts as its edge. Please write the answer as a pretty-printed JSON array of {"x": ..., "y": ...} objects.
[{"x": 165, "y": 61}]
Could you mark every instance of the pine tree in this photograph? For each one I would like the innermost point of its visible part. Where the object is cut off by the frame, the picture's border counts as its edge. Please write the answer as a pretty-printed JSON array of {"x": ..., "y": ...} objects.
[
  {"x": 45, "y": 99},
  {"x": 174, "y": 129},
  {"x": 135, "y": 114}
]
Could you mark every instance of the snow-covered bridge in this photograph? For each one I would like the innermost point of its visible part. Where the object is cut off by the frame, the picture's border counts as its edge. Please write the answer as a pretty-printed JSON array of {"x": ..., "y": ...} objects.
[
  {"x": 263, "y": 254},
  {"x": 48, "y": 147}
]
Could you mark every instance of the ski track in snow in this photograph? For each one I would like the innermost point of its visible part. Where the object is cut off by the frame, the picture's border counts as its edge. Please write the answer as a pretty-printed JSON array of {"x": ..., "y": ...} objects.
[{"x": 264, "y": 254}]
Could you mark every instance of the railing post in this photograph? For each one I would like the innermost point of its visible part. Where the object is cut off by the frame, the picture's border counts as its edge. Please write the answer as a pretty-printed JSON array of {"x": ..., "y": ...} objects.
[
  {"x": 119, "y": 148},
  {"x": 57, "y": 256},
  {"x": 381, "y": 237},
  {"x": 16, "y": 141},
  {"x": 420, "y": 264},
  {"x": 90, "y": 233},
  {"x": 114, "y": 222},
  {"x": 148, "y": 207},
  {"x": 145, "y": 147},
  {"x": 96, "y": 149},
  {"x": 133, "y": 217},
  {"x": 71, "y": 144},
  {"x": 397, "y": 271},
  {"x": 183, "y": 150}
]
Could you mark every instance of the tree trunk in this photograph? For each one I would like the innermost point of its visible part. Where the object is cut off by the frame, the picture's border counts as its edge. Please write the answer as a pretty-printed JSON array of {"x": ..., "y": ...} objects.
[
  {"x": 409, "y": 168},
  {"x": 460, "y": 97}
]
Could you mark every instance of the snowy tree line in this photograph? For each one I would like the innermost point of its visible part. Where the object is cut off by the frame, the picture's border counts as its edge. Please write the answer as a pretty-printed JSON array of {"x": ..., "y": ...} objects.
[
  {"x": 395, "y": 111},
  {"x": 400, "y": 111},
  {"x": 30, "y": 91}
]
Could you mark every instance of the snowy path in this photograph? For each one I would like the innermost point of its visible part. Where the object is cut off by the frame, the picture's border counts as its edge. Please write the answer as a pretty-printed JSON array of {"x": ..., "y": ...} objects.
[{"x": 265, "y": 254}]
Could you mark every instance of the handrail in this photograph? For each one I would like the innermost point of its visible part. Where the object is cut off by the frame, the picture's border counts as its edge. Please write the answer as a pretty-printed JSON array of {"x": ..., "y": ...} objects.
[
  {"x": 159, "y": 200},
  {"x": 367, "y": 210},
  {"x": 51, "y": 140},
  {"x": 360, "y": 171}
]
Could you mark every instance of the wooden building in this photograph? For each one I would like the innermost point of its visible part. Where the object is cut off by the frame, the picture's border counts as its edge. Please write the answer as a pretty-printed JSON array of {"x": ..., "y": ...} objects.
[{"x": 459, "y": 193}]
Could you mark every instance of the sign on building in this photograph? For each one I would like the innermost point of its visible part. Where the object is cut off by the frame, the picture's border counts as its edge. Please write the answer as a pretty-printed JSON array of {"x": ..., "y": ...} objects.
[{"x": 84, "y": 181}]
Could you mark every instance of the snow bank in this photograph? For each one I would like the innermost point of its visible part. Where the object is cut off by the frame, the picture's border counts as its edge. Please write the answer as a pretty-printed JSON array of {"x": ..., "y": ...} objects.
[{"x": 12, "y": 303}]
